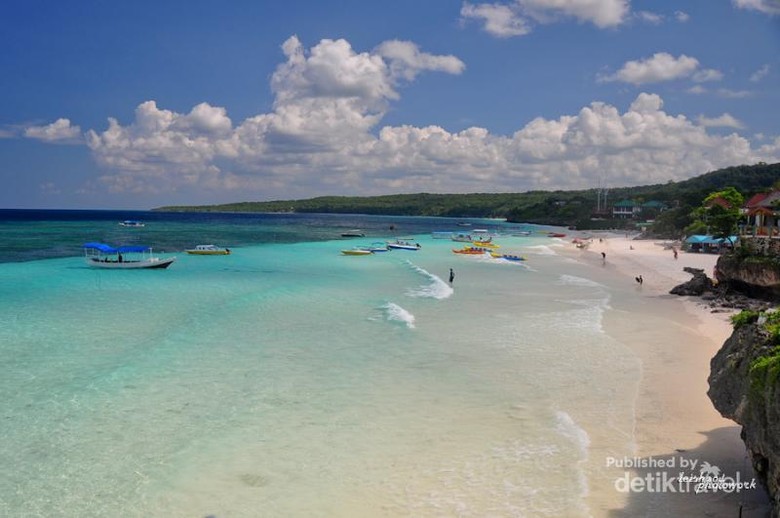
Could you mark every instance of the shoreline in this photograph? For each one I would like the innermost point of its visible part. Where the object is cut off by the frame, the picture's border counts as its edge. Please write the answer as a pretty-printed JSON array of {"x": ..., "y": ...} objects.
[{"x": 674, "y": 338}]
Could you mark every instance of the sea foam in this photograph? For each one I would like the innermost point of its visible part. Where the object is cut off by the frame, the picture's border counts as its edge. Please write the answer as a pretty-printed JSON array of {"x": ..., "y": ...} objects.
[
  {"x": 435, "y": 289},
  {"x": 395, "y": 313}
]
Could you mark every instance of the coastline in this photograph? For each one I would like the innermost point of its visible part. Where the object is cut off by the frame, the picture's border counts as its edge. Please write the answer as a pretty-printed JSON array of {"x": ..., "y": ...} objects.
[{"x": 674, "y": 338}]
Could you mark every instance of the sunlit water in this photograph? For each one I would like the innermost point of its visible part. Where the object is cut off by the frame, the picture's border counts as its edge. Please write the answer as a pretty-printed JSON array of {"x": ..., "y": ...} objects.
[{"x": 289, "y": 380}]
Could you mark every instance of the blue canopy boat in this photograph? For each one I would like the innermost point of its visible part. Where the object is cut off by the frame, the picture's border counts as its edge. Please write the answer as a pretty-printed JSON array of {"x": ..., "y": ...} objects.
[{"x": 101, "y": 255}]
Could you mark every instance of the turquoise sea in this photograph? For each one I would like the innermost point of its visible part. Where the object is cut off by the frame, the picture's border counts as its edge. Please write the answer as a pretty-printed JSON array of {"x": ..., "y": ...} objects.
[{"x": 288, "y": 380}]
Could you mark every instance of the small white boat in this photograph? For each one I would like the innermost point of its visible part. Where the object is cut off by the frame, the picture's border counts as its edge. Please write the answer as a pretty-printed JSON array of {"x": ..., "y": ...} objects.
[
  {"x": 131, "y": 223},
  {"x": 101, "y": 255},
  {"x": 403, "y": 245},
  {"x": 208, "y": 250}
]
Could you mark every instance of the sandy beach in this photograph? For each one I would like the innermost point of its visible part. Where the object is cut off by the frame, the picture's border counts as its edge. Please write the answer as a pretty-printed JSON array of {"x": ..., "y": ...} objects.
[{"x": 675, "y": 420}]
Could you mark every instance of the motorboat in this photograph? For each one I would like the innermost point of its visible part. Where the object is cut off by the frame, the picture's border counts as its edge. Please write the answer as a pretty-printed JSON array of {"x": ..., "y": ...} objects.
[
  {"x": 101, "y": 255},
  {"x": 353, "y": 233},
  {"x": 131, "y": 223},
  {"x": 208, "y": 250},
  {"x": 403, "y": 245},
  {"x": 357, "y": 251}
]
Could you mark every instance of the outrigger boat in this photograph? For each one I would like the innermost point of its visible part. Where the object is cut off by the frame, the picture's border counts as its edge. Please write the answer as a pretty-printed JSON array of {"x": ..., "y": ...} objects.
[
  {"x": 353, "y": 233},
  {"x": 101, "y": 255},
  {"x": 403, "y": 245}
]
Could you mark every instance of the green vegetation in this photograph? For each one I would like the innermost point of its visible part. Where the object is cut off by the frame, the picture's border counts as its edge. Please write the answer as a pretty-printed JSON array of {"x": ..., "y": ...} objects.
[
  {"x": 744, "y": 317},
  {"x": 550, "y": 207},
  {"x": 765, "y": 372}
]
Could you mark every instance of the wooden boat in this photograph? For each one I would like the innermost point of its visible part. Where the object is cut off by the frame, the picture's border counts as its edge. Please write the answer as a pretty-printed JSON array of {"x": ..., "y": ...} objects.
[
  {"x": 101, "y": 255},
  {"x": 208, "y": 250}
]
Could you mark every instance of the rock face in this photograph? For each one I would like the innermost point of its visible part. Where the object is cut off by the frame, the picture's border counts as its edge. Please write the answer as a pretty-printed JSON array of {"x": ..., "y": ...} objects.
[
  {"x": 696, "y": 286},
  {"x": 755, "y": 276},
  {"x": 751, "y": 397}
]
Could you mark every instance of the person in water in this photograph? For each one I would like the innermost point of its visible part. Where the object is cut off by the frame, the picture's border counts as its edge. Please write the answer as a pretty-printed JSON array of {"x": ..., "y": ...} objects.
[{"x": 452, "y": 276}]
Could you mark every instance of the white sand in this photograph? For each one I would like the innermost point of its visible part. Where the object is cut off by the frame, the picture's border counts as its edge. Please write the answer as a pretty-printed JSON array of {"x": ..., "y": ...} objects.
[{"x": 675, "y": 338}]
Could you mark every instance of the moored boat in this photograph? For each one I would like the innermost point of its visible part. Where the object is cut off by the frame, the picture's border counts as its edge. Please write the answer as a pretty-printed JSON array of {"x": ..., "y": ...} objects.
[
  {"x": 357, "y": 251},
  {"x": 353, "y": 233},
  {"x": 101, "y": 255},
  {"x": 131, "y": 223},
  {"x": 208, "y": 250},
  {"x": 403, "y": 245}
]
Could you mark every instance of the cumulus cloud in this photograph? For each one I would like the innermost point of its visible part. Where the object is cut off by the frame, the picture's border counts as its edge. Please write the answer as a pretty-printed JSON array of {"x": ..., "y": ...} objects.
[
  {"x": 500, "y": 20},
  {"x": 650, "y": 17},
  {"x": 662, "y": 66},
  {"x": 516, "y": 18},
  {"x": 406, "y": 60},
  {"x": 60, "y": 130},
  {"x": 724, "y": 121},
  {"x": 760, "y": 74},
  {"x": 323, "y": 136},
  {"x": 681, "y": 16},
  {"x": 765, "y": 6}
]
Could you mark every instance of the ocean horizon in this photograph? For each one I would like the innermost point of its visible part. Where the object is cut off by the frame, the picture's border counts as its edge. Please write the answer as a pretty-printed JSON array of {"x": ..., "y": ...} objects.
[{"x": 287, "y": 379}]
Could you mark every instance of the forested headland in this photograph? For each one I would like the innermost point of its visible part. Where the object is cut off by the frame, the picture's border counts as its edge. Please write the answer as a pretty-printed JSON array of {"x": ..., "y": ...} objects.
[{"x": 569, "y": 208}]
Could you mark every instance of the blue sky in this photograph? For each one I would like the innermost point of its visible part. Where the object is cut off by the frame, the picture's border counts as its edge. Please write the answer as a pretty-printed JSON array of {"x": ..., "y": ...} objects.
[{"x": 141, "y": 104}]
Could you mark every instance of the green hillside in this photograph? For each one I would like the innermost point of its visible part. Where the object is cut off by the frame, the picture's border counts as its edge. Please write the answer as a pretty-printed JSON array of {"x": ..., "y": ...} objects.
[{"x": 551, "y": 207}]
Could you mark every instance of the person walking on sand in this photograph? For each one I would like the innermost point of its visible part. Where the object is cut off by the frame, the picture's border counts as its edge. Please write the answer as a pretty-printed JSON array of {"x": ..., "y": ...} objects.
[
  {"x": 452, "y": 276},
  {"x": 603, "y": 257},
  {"x": 674, "y": 251}
]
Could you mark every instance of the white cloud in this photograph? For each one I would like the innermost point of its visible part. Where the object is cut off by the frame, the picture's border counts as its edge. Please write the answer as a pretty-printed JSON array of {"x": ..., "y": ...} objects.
[
  {"x": 58, "y": 131},
  {"x": 499, "y": 20},
  {"x": 765, "y": 6},
  {"x": 697, "y": 90},
  {"x": 515, "y": 18},
  {"x": 681, "y": 16},
  {"x": 660, "y": 67},
  {"x": 724, "y": 121},
  {"x": 760, "y": 74},
  {"x": 406, "y": 60},
  {"x": 652, "y": 18},
  {"x": 733, "y": 94},
  {"x": 706, "y": 75},
  {"x": 323, "y": 136}
]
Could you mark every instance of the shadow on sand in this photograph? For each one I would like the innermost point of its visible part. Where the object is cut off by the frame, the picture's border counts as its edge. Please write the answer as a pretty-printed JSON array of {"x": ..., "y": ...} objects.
[{"x": 720, "y": 453}]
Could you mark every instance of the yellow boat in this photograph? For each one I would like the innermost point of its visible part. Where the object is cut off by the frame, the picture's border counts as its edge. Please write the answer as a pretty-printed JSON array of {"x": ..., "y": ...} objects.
[
  {"x": 208, "y": 250},
  {"x": 357, "y": 251},
  {"x": 485, "y": 244}
]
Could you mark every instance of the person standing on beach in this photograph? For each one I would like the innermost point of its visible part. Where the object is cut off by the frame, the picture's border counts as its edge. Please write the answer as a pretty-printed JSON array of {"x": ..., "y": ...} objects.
[
  {"x": 452, "y": 276},
  {"x": 674, "y": 250},
  {"x": 603, "y": 257}
]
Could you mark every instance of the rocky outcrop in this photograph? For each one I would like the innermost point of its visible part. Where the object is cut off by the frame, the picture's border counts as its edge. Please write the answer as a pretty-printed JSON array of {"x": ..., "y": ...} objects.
[
  {"x": 696, "y": 286},
  {"x": 754, "y": 275},
  {"x": 744, "y": 387}
]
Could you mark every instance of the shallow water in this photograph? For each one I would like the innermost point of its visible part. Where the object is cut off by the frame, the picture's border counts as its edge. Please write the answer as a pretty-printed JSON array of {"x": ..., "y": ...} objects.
[{"x": 289, "y": 380}]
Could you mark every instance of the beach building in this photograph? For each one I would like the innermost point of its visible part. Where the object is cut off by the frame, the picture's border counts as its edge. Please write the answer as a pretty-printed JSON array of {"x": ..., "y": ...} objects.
[
  {"x": 708, "y": 244},
  {"x": 762, "y": 215},
  {"x": 633, "y": 209}
]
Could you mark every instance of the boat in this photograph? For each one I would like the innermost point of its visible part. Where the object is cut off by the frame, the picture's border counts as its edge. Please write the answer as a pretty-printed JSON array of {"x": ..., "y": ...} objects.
[
  {"x": 208, "y": 250},
  {"x": 131, "y": 223},
  {"x": 101, "y": 255},
  {"x": 461, "y": 237},
  {"x": 471, "y": 250},
  {"x": 555, "y": 234},
  {"x": 357, "y": 251},
  {"x": 444, "y": 234},
  {"x": 353, "y": 233},
  {"x": 485, "y": 244},
  {"x": 378, "y": 246},
  {"x": 403, "y": 245},
  {"x": 508, "y": 257}
]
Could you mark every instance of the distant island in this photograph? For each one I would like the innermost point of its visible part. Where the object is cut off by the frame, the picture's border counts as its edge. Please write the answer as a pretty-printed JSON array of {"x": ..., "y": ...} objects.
[{"x": 669, "y": 204}]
